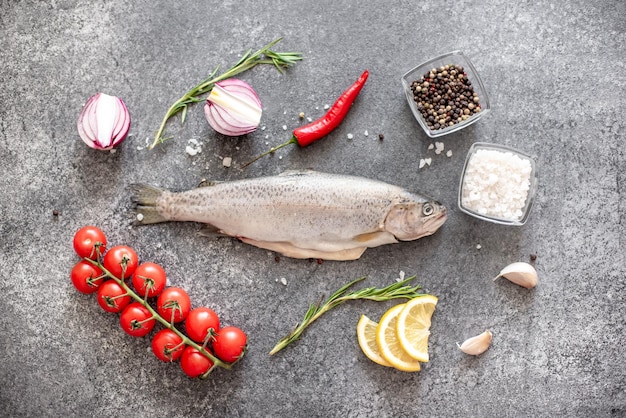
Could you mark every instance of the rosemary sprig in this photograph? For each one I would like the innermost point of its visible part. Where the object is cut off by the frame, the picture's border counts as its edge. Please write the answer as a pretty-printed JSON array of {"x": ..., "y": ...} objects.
[
  {"x": 264, "y": 55},
  {"x": 396, "y": 290}
]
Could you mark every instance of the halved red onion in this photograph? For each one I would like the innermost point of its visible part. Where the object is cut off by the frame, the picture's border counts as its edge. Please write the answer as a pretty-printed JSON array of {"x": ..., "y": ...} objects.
[
  {"x": 233, "y": 108},
  {"x": 103, "y": 122}
]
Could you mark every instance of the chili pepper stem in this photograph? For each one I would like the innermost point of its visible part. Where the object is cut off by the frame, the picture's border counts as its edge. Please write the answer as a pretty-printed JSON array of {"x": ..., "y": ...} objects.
[
  {"x": 155, "y": 315},
  {"x": 293, "y": 140}
]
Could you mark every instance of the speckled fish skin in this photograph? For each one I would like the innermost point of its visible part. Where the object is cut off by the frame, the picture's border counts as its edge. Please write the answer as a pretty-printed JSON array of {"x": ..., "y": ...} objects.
[{"x": 303, "y": 214}]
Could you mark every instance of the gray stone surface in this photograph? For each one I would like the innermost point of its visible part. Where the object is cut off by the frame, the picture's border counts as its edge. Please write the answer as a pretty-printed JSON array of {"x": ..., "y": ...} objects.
[{"x": 555, "y": 74}]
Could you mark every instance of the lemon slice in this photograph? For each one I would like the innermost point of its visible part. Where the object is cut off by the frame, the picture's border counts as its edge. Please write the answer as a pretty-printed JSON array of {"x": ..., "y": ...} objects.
[
  {"x": 413, "y": 326},
  {"x": 366, "y": 334},
  {"x": 389, "y": 345}
]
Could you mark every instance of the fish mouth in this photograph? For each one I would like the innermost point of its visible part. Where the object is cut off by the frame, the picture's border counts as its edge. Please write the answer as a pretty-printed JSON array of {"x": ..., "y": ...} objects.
[{"x": 435, "y": 223}]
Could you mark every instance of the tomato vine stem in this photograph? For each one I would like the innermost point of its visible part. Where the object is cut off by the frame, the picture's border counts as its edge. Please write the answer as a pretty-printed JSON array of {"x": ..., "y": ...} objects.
[{"x": 155, "y": 315}]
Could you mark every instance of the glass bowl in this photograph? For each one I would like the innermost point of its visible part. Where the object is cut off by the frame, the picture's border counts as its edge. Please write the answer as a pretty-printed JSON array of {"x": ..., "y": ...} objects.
[
  {"x": 453, "y": 58},
  {"x": 498, "y": 184}
]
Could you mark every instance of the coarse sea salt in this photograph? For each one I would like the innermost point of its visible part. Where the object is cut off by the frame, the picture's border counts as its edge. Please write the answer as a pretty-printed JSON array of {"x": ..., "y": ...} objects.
[{"x": 496, "y": 184}]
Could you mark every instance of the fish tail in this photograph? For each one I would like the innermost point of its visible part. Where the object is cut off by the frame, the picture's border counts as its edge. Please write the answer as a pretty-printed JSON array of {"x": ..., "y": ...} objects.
[{"x": 144, "y": 197}]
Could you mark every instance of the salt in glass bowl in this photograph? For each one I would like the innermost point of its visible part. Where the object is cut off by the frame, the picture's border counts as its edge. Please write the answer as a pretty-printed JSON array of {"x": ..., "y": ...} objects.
[
  {"x": 451, "y": 58},
  {"x": 466, "y": 207}
]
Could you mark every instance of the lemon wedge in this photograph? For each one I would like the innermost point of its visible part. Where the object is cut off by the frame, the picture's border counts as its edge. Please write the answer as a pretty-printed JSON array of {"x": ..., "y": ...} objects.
[
  {"x": 413, "y": 324},
  {"x": 389, "y": 344},
  {"x": 366, "y": 334}
]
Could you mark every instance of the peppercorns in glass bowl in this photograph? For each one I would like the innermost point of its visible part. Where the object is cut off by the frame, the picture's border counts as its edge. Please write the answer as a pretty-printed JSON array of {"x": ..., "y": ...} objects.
[
  {"x": 498, "y": 184},
  {"x": 445, "y": 94}
]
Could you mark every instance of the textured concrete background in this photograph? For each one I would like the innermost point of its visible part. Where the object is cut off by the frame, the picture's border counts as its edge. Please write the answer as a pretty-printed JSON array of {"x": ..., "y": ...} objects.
[{"x": 555, "y": 74}]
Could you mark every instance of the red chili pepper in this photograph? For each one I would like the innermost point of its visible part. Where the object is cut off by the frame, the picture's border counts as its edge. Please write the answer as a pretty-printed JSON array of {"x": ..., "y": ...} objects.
[{"x": 307, "y": 134}]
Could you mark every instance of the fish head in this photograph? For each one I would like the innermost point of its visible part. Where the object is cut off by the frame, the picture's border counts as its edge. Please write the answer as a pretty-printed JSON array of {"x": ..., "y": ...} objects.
[{"x": 409, "y": 220}]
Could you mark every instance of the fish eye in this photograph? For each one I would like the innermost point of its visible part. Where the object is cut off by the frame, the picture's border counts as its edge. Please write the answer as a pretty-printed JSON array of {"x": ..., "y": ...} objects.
[{"x": 428, "y": 209}]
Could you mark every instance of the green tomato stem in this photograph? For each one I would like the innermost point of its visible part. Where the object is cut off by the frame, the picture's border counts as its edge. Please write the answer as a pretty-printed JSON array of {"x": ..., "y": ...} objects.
[{"x": 155, "y": 315}]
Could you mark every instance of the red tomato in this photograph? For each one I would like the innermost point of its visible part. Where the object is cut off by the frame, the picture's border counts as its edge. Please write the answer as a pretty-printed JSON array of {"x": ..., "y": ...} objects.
[
  {"x": 112, "y": 297},
  {"x": 194, "y": 363},
  {"x": 167, "y": 345},
  {"x": 199, "y": 323},
  {"x": 86, "y": 277},
  {"x": 136, "y": 320},
  {"x": 121, "y": 259},
  {"x": 89, "y": 242},
  {"x": 229, "y": 344},
  {"x": 174, "y": 304},
  {"x": 149, "y": 278}
]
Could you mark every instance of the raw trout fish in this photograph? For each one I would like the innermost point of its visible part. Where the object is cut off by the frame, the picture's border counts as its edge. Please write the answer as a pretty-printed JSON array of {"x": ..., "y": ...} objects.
[{"x": 299, "y": 214}]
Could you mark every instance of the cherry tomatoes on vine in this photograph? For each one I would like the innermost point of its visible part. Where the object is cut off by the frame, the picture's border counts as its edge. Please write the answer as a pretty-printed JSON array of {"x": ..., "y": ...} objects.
[
  {"x": 229, "y": 344},
  {"x": 86, "y": 277},
  {"x": 199, "y": 323},
  {"x": 167, "y": 345},
  {"x": 112, "y": 297},
  {"x": 90, "y": 242},
  {"x": 136, "y": 320},
  {"x": 194, "y": 363},
  {"x": 174, "y": 304},
  {"x": 149, "y": 279},
  {"x": 121, "y": 259}
]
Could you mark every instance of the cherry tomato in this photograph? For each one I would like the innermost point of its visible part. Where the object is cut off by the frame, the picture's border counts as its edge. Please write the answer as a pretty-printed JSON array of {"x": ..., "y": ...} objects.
[
  {"x": 121, "y": 259},
  {"x": 136, "y": 320},
  {"x": 89, "y": 242},
  {"x": 86, "y": 277},
  {"x": 112, "y": 297},
  {"x": 149, "y": 278},
  {"x": 174, "y": 304},
  {"x": 199, "y": 322},
  {"x": 194, "y": 363},
  {"x": 229, "y": 344},
  {"x": 167, "y": 345}
]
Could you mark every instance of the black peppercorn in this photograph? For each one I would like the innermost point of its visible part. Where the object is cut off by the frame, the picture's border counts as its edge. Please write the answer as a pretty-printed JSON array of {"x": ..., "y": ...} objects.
[{"x": 445, "y": 96}]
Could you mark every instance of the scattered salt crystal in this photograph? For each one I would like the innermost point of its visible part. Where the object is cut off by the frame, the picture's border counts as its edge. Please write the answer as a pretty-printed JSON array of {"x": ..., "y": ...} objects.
[
  {"x": 428, "y": 161},
  {"x": 283, "y": 281},
  {"x": 366, "y": 133},
  {"x": 431, "y": 146},
  {"x": 478, "y": 246},
  {"x": 449, "y": 153},
  {"x": 438, "y": 147},
  {"x": 140, "y": 217},
  {"x": 309, "y": 119},
  {"x": 191, "y": 150},
  {"x": 422, "y": 163},
  {"x": 326, "y": 107},
  {"x": 194, "y": 147},
  {"x": 284, "y": 127},
  {"x": 350, "y": 136},
  {"x": 113, "y": 151},
  {"x": 227, "y": 161},
  {"x": 263, "y": 127}
]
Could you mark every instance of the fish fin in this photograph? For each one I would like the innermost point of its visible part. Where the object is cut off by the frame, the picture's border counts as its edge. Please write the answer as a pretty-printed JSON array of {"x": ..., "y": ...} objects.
[
  {"x": 296, "y": 172},
  {"x": 208, "y": 230},
  {"x": 208, "y": 183},
  {"x": 144, "y": 197},
  {"x": 289, "y": 250},
  {"x": 374, "y": 239},
  {"x": 368, "y": 236}
]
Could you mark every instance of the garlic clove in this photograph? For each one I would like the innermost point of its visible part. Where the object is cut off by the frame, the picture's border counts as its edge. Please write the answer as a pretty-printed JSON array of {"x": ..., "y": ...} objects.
[
  {"x": 520, "y": 273},
  {"x": 476, "y": 345}
]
